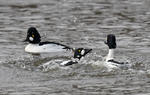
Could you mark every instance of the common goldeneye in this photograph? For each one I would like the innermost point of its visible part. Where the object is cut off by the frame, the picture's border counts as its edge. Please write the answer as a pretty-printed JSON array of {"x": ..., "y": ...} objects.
[
  {"x": 35, "y": 45},
  {"x": 78, "y": 54},
  {"x": 110, "y": 61}
]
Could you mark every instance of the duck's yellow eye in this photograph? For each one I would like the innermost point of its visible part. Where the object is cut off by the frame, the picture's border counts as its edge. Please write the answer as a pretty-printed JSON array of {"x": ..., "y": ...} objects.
[
  {"x": 79, "y": 51},
  {"x": 32, "y": 35}
]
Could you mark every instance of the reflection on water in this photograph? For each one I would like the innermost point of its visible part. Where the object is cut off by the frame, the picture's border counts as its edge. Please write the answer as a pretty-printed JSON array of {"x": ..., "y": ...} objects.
[{"x": 77, "y": 23}]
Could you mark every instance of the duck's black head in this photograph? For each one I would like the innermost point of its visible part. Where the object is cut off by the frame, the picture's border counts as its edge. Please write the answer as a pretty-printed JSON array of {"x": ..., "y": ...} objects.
[
  {"x": 81, "y": 52},
  {"x": 33, "y": 35},
  {"x": 111, "y": 41}
]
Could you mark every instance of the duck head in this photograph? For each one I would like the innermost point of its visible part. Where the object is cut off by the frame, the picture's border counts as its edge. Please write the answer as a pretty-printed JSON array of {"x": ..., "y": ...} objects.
[
  {"x": 81, "y": 52},
  {"x": 33, "y": 36},
  {"x": 111, "y": 41}
]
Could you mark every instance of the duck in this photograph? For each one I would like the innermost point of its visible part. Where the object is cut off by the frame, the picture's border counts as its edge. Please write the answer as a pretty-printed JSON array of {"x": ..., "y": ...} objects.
[
  {"x": 79, "y": 53},
  {"x": 109, "y": 60},
  {"x": 35, "y": 45}
]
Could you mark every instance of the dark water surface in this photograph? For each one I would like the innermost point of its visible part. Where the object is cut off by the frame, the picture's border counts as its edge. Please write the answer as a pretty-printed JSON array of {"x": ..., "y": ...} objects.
[{"x": 77, "y": 23}]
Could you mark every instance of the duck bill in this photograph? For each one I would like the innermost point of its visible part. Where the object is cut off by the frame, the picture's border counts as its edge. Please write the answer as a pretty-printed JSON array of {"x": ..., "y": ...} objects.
[
  {"x": 26, "y": 40},
  {"x": 105, "y": 42}
]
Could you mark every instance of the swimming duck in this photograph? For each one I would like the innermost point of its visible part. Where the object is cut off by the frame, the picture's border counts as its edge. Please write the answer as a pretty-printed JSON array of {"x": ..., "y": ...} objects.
[
  {"x": 78, "y": 54},
  {"x": 110, "y": 62},
  {"x": 35, "y": 45}
]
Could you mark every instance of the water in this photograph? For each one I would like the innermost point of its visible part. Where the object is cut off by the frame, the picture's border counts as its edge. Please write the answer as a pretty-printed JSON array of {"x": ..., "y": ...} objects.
[{"x": 77, "y": 23}]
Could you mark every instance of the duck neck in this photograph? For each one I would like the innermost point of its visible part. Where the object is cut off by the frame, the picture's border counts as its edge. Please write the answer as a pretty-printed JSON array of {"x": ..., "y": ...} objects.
[{"x": 110, "y": 54}]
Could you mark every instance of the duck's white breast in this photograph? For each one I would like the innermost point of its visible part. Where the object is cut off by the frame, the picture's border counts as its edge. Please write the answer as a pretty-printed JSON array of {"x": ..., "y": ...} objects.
[{"x": 47, "y": 48}]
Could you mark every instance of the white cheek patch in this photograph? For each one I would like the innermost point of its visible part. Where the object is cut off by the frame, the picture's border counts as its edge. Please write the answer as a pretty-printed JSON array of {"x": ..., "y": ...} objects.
[
  {"x": 82, "y": 52},
  {"x": 30, "y": 38}
]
